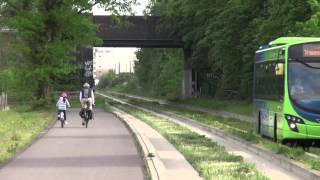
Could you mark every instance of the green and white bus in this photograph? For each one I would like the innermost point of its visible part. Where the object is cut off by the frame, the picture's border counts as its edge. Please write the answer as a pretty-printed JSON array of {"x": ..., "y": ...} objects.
[{"x": 286, "y": 89}]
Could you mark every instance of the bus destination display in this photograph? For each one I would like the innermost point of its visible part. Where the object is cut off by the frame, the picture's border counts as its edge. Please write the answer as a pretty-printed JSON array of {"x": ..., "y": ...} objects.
[{"x": 311, "y": 50}]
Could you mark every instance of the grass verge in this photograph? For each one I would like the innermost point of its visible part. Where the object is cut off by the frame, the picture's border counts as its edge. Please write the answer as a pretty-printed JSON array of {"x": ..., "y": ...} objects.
[
  {"x": 211, "y": 160},
  {"x": 241, "y": 129},
  {"x": 19, "y": 127},
  {"x": 238, "y": 107}
]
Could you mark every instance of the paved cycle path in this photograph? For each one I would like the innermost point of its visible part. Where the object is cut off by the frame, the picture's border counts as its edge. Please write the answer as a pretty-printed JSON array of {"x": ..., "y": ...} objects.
[{"x": 105, "y": 151}]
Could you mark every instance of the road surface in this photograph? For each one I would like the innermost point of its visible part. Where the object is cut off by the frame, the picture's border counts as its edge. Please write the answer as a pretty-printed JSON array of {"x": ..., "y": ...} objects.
[{"x": 105, "y": 151}]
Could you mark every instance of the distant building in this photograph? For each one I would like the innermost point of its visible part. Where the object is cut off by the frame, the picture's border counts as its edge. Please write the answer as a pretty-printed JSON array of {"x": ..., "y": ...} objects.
[{"x": 100, "y": 64}]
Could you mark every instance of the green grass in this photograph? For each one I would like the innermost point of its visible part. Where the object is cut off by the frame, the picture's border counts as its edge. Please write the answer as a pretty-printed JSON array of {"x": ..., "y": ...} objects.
[
  {"x": 241, "y": 129},
  {"x": 211, "y": 160},
  {"x": 19, "y": 127},
  {"x": 238, "y": 107},
  {"x": 119, "y": 91}
]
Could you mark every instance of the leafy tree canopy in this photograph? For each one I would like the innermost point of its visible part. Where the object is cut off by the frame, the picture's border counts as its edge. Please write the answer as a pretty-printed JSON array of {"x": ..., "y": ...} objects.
[
  {"x": 48, "y": 34},
  {"x": 223, "y": 35}
]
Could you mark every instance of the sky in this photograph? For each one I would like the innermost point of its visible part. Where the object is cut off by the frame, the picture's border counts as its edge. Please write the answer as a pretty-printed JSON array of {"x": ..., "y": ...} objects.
[
  {"x": 122, "y": 55},
  {"x": 110, "y": 58},
  {"x": 138, "y": 10}
]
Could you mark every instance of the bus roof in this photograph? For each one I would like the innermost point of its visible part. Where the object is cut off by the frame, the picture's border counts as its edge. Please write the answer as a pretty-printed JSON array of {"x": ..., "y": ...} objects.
[
  {"x": 271, "y": 51},
  {"x": 290, "y": 40}
]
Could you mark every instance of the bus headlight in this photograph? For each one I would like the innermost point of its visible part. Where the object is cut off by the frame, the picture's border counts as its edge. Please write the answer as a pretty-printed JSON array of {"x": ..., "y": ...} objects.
[
  {"x": 293, "y": 125},
  {"x": 294, "y": 119},
  {"x": 292, "y": 122}
]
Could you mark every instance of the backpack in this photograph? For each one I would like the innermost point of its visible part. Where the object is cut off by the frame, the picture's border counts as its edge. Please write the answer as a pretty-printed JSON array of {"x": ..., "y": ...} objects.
[{"x": 86, "y": 93}]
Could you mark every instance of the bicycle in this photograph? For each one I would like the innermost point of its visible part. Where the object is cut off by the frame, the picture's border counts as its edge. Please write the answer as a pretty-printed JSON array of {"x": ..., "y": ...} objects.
[
  {"x": 61, "y": 117},
  {"x": 87, "y": 115}
]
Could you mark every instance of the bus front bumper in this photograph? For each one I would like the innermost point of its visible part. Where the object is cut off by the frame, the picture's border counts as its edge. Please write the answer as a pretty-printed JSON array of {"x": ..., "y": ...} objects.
[
  {"x": 313, "y": 132},
  {"x": 305, "y": 132}
]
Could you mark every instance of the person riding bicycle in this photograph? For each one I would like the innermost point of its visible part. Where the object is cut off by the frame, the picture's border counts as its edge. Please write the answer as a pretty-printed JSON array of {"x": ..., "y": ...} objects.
[
  {"x": 62, "y": 105},
  {"x": 87, "y": 99}
]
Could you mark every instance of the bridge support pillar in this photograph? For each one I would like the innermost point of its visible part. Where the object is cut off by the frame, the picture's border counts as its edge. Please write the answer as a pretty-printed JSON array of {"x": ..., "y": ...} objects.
[
  {"x": 85, "y": 57},
  {"x": 186, "y": 75}
]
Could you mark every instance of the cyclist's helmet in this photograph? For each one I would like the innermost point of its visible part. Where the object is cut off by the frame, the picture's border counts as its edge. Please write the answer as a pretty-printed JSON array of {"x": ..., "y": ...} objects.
[
  {"x": 64, "y": 94},
  {"x": 86, "y": 85}
]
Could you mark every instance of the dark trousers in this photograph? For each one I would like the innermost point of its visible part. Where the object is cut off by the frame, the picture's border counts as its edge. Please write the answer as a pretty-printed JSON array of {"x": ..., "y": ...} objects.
[
  {"x": 65, "y": 113},
  {"x": 89, "y": 112}
]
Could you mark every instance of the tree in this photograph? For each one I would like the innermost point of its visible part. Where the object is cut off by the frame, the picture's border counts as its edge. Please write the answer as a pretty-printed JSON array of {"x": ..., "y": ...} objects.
[
  {"x": 49, "y": 31},
  {"x": 312, "y": 26},
  {"x": 6, "y": 38},
  {"x": 159, "y": 72},
  {"x": 223, "y": 35}
]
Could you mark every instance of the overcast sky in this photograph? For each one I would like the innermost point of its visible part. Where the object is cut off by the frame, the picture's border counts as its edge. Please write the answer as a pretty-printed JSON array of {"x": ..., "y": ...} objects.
[
  {"x": 122, "y": 55},
  {"x": 138, "y": 10}
]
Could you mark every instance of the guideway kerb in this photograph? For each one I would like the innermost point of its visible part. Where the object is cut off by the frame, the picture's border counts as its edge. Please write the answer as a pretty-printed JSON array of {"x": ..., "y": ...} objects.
[
  {"x": 155, "y": 166},
  {"x": 212, "y": 112},
  {"x": 158, "y": 170},
  {"x": 293, "y": 167}
]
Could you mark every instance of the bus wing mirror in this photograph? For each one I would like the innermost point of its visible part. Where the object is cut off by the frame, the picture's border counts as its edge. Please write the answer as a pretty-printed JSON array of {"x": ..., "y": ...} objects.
[{"x": 279, "y": 69}]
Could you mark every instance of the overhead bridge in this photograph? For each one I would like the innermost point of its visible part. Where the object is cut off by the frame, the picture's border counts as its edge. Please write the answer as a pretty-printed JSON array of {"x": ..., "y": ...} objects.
[
  {"x": 134, "y": 31},
  {"x": 141, "y": 32}
]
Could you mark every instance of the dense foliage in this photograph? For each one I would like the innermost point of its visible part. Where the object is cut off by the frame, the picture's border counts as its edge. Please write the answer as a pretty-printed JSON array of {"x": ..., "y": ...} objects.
[
  {"x": 48, "y": 35},
  {"x": 159, "y": 72},
  {"x": 224, "y": 35},
  {"x": 120, "y": 82},
  {"x": 5, "y": 50}
]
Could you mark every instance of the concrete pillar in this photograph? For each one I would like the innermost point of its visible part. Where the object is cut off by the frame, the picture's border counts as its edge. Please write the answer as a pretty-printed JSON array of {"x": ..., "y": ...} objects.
[
  {"x": 186, "y": 75},
  {"x": 85, "y": 57}
]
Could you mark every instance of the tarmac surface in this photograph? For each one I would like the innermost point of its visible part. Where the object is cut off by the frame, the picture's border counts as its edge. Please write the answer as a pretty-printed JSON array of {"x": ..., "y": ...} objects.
[{"x": 105, "y": 150}]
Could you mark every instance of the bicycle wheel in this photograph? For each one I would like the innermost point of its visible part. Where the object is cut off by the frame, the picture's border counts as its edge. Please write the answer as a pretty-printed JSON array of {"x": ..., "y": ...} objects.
[
  {"x": 62, "y": 119},
  {"x": 87, "y": 121}
]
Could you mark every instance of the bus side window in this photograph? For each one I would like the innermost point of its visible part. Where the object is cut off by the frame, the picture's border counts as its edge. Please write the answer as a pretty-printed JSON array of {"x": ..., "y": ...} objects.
[
  {"x": 268, "y": 85},
  {"x": 280, "y": 79}
]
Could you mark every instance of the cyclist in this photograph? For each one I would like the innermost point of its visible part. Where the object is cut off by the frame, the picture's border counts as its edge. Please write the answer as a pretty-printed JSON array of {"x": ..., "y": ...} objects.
[
  {"x": 62, "y": 105},
  {"x": 86, "y": 98}
]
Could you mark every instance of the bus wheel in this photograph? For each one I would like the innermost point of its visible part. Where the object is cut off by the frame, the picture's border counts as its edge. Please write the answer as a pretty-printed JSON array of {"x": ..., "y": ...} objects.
[
  {"x": 259, "y": 123},
  {"x": 275, "y": 128}
]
